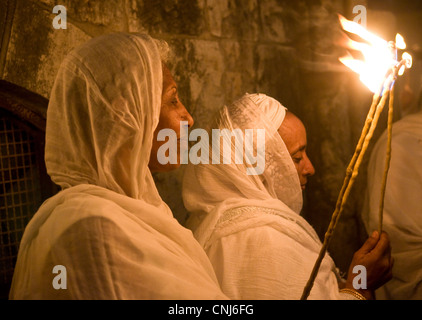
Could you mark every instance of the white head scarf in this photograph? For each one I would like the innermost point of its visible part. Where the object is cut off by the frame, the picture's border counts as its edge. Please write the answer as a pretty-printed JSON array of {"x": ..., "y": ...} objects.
[
  {"x": 108, "y": 227},
  {"x": 240, "y": 218},
  {"x": 270, "y": 107},
  {"x": 211, "y": 189},
  {"x": 100, "y": 121}
]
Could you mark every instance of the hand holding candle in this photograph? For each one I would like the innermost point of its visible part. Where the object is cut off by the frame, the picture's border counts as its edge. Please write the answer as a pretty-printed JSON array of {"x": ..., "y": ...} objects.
[{"x": 378, "y": 72}]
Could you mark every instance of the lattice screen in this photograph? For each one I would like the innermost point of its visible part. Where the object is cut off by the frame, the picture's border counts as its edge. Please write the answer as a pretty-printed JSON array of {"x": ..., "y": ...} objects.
[{"x": 19, "y": 191}]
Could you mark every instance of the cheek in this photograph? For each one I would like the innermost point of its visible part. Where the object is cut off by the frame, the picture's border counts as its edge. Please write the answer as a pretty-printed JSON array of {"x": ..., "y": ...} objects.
[
  {"x": 169, "y": 119},
  {"x": 297, "y": 167},
  {"x": 174, "y": 124},
  {"x": 300, "y": 168}
]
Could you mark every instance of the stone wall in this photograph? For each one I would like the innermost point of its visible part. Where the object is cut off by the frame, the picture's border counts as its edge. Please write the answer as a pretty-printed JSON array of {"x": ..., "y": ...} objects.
[{"x": 224, "y": 48}]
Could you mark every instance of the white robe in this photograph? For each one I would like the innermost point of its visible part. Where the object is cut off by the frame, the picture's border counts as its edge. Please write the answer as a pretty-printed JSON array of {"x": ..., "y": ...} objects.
[
  {"x": 402, "y": 215},
  {"x": 108, "y": 228},
  {"x": 249, "y": 225}
]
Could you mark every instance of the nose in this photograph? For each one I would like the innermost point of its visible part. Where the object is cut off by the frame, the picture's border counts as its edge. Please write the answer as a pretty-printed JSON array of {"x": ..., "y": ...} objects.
[
  {"x": 187, "y": 117},
  {"x": 309, "y": 169},
  {"x": 190, "y": 119}
]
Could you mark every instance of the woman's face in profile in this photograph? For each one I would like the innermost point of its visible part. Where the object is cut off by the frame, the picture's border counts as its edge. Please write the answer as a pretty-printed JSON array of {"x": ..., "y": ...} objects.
[
  {"x": 172, "y": 112},
  {"x": 293, "y": 133}
]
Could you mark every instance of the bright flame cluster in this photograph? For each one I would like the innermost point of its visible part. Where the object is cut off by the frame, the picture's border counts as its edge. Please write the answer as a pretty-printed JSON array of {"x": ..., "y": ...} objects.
[{"x": 380, "y": 56}]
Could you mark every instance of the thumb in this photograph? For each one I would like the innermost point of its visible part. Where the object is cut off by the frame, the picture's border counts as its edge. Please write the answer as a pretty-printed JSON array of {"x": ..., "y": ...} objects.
[{"x": 371, "y": 242}]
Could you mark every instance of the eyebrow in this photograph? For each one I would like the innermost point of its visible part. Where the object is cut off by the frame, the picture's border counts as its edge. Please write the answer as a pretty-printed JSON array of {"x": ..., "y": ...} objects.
[{"x": 301, "y": 148}]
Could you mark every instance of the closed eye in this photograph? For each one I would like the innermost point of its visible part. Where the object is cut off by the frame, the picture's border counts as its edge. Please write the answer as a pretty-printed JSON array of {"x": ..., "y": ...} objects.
[{"x": 297, "y": 160}]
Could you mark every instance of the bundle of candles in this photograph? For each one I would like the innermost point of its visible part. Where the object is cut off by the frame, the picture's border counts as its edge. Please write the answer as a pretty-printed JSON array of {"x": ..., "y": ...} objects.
[{"x": 378, "y": 71}]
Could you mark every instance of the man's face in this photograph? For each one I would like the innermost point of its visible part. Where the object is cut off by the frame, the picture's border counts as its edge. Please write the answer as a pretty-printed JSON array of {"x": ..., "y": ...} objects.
[
  {"x": 172, "y": 112},
  {"x": 293, "y": 133}
]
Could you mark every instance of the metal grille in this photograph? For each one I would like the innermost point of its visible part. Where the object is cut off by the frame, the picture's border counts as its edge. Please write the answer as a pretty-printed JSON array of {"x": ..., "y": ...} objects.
[{"x": 19, "y": 191}]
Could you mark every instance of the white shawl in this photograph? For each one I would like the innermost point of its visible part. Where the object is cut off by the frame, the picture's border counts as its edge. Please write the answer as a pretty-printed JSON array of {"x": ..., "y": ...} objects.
[
  {"x": 250, "y": 227},
  {"x": 402, "y": 218},
  {"x": 109, "y": 227}
]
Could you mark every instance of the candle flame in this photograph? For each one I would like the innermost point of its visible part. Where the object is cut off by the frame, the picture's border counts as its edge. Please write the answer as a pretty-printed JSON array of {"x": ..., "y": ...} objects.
[
  {"x": 380, "y": 56},
  {"x": 408, "y": 58},
  {"x": 400, "y": 44}
]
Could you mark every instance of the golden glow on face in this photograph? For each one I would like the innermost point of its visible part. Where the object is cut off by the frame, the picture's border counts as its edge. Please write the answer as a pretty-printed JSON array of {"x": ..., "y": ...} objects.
[
  {"x": 293, "y": 133},
  {"x": 172, "y": 113}
]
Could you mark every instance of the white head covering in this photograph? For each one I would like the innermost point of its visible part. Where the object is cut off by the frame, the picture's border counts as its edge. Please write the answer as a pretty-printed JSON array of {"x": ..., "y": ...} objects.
[
  {"x": 211, "y": 189},
  {"x": 100, "y": 121},
  {"x": 249, "y": 225},
  {"x": 109, "y": 227},
  {"x": 273, "y": 110}
]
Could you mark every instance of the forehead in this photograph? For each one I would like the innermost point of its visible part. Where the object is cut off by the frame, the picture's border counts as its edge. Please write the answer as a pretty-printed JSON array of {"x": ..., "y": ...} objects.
[
  {"x": 168, "y": 80},
  {"x": 293, "y": 132}
]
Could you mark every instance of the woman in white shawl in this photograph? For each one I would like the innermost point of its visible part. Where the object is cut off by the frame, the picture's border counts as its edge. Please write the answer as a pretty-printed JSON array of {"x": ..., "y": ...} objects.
[
  {"x": 402, "y": 215},
  {"x": 108, "y": 234},
  {"x": 250, "y": 225}
]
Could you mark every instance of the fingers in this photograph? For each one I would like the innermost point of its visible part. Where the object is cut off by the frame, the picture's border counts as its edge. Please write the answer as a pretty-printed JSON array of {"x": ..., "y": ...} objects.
[
  {"x": 370, "y": 243},
  {"x": 382, "y": 247},
  {"x": 375, "y": 255},
  {"x": 379, "y": 245},
  {"x": 387, "y": 272},
  {"x": 383, "y": 251}
]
